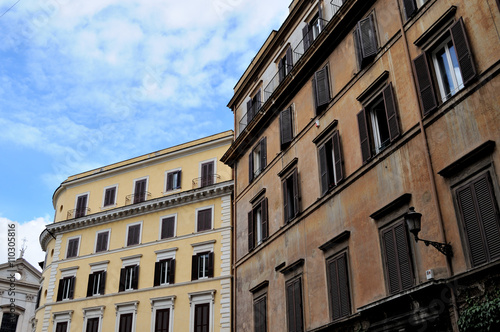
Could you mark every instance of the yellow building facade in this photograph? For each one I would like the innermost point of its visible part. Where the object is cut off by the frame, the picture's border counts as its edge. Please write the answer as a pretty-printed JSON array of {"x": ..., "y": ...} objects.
[{"x": 142, "y": 245}]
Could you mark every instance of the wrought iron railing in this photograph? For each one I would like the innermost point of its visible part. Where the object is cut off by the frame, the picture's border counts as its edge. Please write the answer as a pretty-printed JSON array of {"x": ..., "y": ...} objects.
[
  {"x": 78, "y": 213},
  {"x": 306, "y": 42},
  {"x": 336, "y": 4},
  {"x": 204, "y": 181},
  {"x": 137, "y": 198},
  {"x": 276, "y": 80},
  {"x": 248, "y": 116}
]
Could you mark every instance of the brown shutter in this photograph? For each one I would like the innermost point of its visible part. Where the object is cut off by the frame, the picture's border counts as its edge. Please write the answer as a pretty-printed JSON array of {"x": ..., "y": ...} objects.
[
  {"x": 194, "y": 267},
  {"x": 250, "y": 167},
  {"x": 135, "y": 277},
  {"x": 121, "y": 286},
  {"x": 424, "y": 83},
  {"x": 286, "y": 132},
  {"x": 265, "y": 220},
  {"x": 334, "y": 289},
  {"x": 90, "y": 284},
  {"x": 390, "y": 111},
  {"x": 251, "y": 241},
  {"x": 363, "y": 136},
  {"x": 210, "y": 272},
  {"x": 102, "y": 285},
  {"x": 305, "y": 39},
  {"x": 281, "y": 69},
  {"x": 171, "y": 272},
  {"x": 285, "y": 201},
  {"x": 322, "y": 87},
  {"x": 323, "y": 169},
  {"x": 106, "y": 197},
  {"x": 462, "y": 48},
  {"x": 298, "y": 305},
  {"x": 357, "y": 48},
  {"x": 289, "y": 60},
  {"x": 367, "y": 38},
  {"x": 62, "y": 327},
  {"x": 156, "y": 280},
  {"x": 410, "y": 8},
  {"x": 60, "y": 290},
  {"x": 102, "y": 242},
  {"x": 179, "y": 178},
  {"x": 315, "y": 101},
  {"x": 260, "y": 313},
  {"x": 391, "y": 260},
  {"x": 170, "y": 177},
  {"x": 249, "y": 111},
  {"x": 296, "y": 194},
  {"x": 398, "y": 259},
  {"x": 290, "y": 313},
  {"x": 345, "y": 302},
  {"x": 403, "y": 248},
  {"x": 263, "y": 153},
  {"x": 162, "y": 320},
  {"x": 72, "y": 281},
  {"x": 337, "y": 155},
  {"x": 81, "y": 206}
]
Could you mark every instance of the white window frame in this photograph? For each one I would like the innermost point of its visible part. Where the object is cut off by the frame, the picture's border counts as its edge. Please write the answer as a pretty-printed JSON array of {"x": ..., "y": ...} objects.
[
  {"x": 198, "y": 248},
  {"x": 175, "y": 225},
  {"x": 126, "y": 308},
  {"x": 437, "y": 70},
  {"x": 196, "y": 217},
  {"x": 79, "y": 237},
  {"x": 68, "y": 273},
  {"x": 130, "y": 261},
  {"x": 201, "y": 298},
  {"x": 97, "y": 234},
  {"x": 165, "y": 182},
  {"x": 104, "y": 196},
  {"x": 61, "y": 317},
  {"x": 140, "y": 233},
  {"x": 97, "y": 267},
  {"x": 93, "y": 312},
  {"x": 160, "y": 303},
  {"x": 214, "y": 160},
  {"x": 146, "y": 189},
  {"x": 80, "y": 195}
]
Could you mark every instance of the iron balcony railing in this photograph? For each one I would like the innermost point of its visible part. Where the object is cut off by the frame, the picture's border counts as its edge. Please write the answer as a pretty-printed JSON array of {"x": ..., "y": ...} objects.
[
  {"x": 276, "y": 80},
  {"x": 248, "y": 116},
  {"x": 336, "y": 4},
  {"x": 204, "y": 181},
  {"x": 137, "y": 198},
  {"x": 315, "y": 31},
  {"x": 78, "y": 213}
]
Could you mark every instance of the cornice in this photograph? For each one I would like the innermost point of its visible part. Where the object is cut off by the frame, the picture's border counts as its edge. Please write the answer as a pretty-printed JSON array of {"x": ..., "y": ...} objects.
[{"x": 136, "y": 210}]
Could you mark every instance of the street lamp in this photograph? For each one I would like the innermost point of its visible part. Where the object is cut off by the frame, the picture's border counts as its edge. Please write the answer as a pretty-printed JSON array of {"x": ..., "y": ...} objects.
[{"x": 414, "y": 221}]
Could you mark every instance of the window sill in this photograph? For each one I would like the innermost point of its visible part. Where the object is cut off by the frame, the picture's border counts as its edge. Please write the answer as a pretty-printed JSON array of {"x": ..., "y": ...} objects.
[
  {"x": 173, "y": 191},
  {"x": 108, "y": 207}
]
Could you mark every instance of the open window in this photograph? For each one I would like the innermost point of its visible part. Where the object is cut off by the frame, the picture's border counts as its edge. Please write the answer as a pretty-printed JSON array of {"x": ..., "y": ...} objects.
[
  {"x": 257, "y": 159},
  {"x": 313, "y": 28},
  {"x": 258, "y": 225},
  {"x": 253, "y": 106},
  {"x": 330, "y": 162},
  {"x": 285, "y": 64}
]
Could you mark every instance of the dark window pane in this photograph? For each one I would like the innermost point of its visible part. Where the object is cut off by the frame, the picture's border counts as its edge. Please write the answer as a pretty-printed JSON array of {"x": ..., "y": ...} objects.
[
  {"x": 167, "y": 227},
  {"x": 162, "y": 320},
  {"x": 9, "y": 322}
]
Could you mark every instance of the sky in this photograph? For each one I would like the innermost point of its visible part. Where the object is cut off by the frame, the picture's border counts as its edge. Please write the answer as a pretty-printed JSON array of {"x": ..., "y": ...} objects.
[{"x": 86, "y": 83}]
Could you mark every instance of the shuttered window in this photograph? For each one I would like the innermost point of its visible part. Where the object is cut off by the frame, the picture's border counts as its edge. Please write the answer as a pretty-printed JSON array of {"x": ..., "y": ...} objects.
[
  {"x": 478, "y": 211},
  {"x": 168, "y": 227},
  {"x": 140, "y": 191},
  {"x": 125, "y": 323},
  {"x": 102, "y": 241},
  {"x": 202, "y": 317},
  {"x": 96, "y": 283},
  {"x": 330, "y": 163},
  {"x": 258, "y": 225},
  {"x": 285, "y": 64},
  {"x": 92, "y": 325},
  {"x": 134, "y": 234},
  {"x": 72, "y": 250},
  {"x": 257, "y": 159},
  {"x": 164, "y": 272},
  {"x": 173, "y": 180},
  {"x": 62, "y": 327},
  {"x": 202, "y": 266},
  {"x": 340, "y": 302},
  {"x": 294, "y": 305},
  {"x": 109, "y": 196},
  {"x": 81, "y": 206},
  {"x": 129, "y": 278},
  {"x": 162, "y": 320},
  {"x": 253, "y": 106},
  {"x": 204, "y": 220},
  {"x": 260, "y": 314},
  {"x": 365, "y": 40},
  {"x": 291, "y": 196},
  {"x": 397, "y": 257},
  {"x": 66, "y": 288},
  {"x": 321, "y": 89},
  {"x": 410, "y": 8},
  {"x": 207, "y": 174},
  {"x": 286, "y": 128}
]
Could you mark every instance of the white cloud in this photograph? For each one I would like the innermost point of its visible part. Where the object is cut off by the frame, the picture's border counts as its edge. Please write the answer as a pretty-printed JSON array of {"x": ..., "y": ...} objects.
[{"x": 30, "y": 231}]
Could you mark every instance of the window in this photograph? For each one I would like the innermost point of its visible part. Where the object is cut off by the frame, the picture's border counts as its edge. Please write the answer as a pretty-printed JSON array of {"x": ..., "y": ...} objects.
[
  {"x": 129, "y": 278},
  {"x": 258, "y": 225},
  {"x": 164, "y": 272},
  {"x": 285, "y": 64},
  {"x": 478, "y": 211},
  {"x": 294, "y": 305},
  {"x": 140, "y": 190},
  {"x": 202, "y": 310},
  {"x": 109, "y": 197},
  {"x": 92, "y": 325},
  {"x": 81, "y": 206},
  {"x": 202, "y": 266},
  {"x": 96, "y": 284},
  {"x": 9, "y": 322},
  {"x": 126, "y": 316},
  {"x": 330, "y": 162},
  {"x": 101, "y": 241},
  {"x": 378, "y": 124},
  {"x": 66, "y": 288},
  {"x": 291, "y": 196},
  {"x": 62, "y": 321},
  {"x": 162, "y": 320},
  {"x": 204, "y": 219},
  {"x": 257, "y": 160},
  {"x": 173, "y": 180},
  {"x": 397, "y": 257},
  {"x": 260, "y": 314},
  {"x": 453, "y": 67},
  {"x": 126, "y": 322},
  {"x": 134, "y": 234},
  {"x": 202, "y": 317},
  {"x": 286, "y": 127},
  {"x": 338, "y": 282},
  {"x": 168, "y": 227},
  {"x": 62, "y": 327},
  {"x": 321, "y": 89},
  {"x": 313, "y": 28},
  {"x": 93, "y": 318},
  {"x": 162, "y": 313},
  {"x": 207, "y": 174},
  {"x": 365, "y": 41},
  {"x": 73, "y": 246},
  {"x": 253, "y": 106}
]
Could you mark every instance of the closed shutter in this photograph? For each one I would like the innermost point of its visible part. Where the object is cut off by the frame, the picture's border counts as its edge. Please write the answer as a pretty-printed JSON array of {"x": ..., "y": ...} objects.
[
  {"x": 162, "y": 320},
  {"x": 296, "y": 194},
  {"x": 424, "y": 82},
  {"x": 260, "y": 315},
  {"x": 156, "y": 278},
  {"x": 263, "y": 153},
  {"x": 133, "y": 235},
  {"x": 323, "y": 169},
  {"x": 125, "y": 323},
  {"x": 72, "y": 248},
  {"x": 90, "y": 285},
  {"x": 305, "y": 37},
  {"x": 167, "y": 227},
  {"x": 462, "y": 48},
  {"x": 264, "y": 218},
  {"x": 410, "y": 8},
  {"x": 121, "y": 286},
  {"x": 390, "y": 111},
  {"x": 285, "y": 201},
  {"x": 250, "y": 167},
  {"x": 92, "y": 325},
  {"x": 289, "y": 59},
  {"x": 204, "y": 219},
  {"x": 102, "y": 285},
  {"x": 251, "y": 240},
  {"x": 170, "y": 178},
  {"x": 106, "y": 197},
  {"x": 367, "y": 39},
  {"x": 391, "y": 261},
  {"x": 60, "y": 290},
  {"x": 207, "y": 174},
  {"x": 282, "y": 69},
  {"x": 286, "y": 132},
  {"x": 140, "y": 191},
  {"x": 194, "y": 267},
  {"x": 405, "y": 265},
  {"x": 201, "y": 317},
  {"x": 334, "y": 289},
  {"x": 135, "y": 277},
  {"x": 81, "y": 206},
  {"x": 294, "y": 306},
  {"x": 109, "y": 196},
  {"x": 102, "y": 242},
  {"x": 62, "y": 327},
  {"x": 72, "y": 281},
  {"x": 249, "y": 111},
  {"x": 339, "y": 287},
  {"x": 290, "y": 313},
  {"x": 210, "y": 272},
  {"x": 337, "y": 155},
  {"x": 171, "y": 272},
  {"x": 364, "y": 138},
  {"x": 322, "y": 87}
]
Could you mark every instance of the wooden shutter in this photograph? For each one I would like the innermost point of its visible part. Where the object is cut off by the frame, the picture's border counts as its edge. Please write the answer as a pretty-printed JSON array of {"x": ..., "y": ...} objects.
[
  {"x": 462, "y": 48},
  {"x": 102, "y": 285},
  {"x": 264, "y": 219},
  {"x": 92, "y": 325},
  {"x": 364, "y": 138},
  {"x": 72, "y": 248},
  {"x": 314, "y": 93},
  {"x": 263, "y": 153},
  {"x": 367, "y": 39},
  {"x": 426, "y": 92},
  {"x": 390, "y": 111},
  {"x": 250, "y": 167},
  {"x": 194, "y": 267},
  {"x": 102, "y": 242},
  {"x": 90, "y": 285},
  {"x": 38, "y": 297},
  {"x": 282, "y": 69},
  {"x": 72, "y": 281},
  {"x": 405, "y": 265},
  {"x": 391, "y": 261},
  {"x": 296, "y": 194},
  {"x": 357, "y": 48},
  {"x": 210, "y": 273},
  {"x": 106, "y": 197},
  {"x": 289, "y": 60},
  {"x": 81, "y": 206},
  {"x": 62, "y": 327},
  {"x": 294, "y": 306},
  {"x": 170, "y": 177},
  {"x": 260, "y": 315},
  {"x": 334, "y": 289},
  {"x": 125, "y": 323},
  {"x": 171, "y": 271},
  {"x": 121, "y": 286},
  {"x": 286, "y": 130},
  {"x": 179, "y": 178},
  {"x": 156, "y": 278},
  {"x": 323, "y": 169},
  {"x": 337, "y": 155},
  {"x": 140, "y": 191},
  {"x": 132, "y": 237},
  {"x": 339, "y": 287},
  {"x": 285, "y": 202},
  {"x": 162, "y": 320},
  {"x": 60, "y": 290},
  {"x": 397, "y": 256},
  {"x": 201, "y": 317},
  {"x": 305, "y": 37},
  {"x": 249, "y": 111},
  {"x": 135, "y": 277},
  {"x": 167, "y": 227},
  {"x": 109, "y": 196},
  {"x": 322, "y": 87},
  {"x": 251, "y": 240},
  {"x": 410, "y": 8},
  {"x": 290, "y": 313}
]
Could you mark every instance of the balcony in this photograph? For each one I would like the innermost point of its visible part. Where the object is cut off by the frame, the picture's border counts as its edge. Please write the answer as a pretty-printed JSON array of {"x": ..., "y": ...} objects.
[
  {"x": 276, "y": 80},
  {"x": 317, "y": 28},
  {"x": 206, "y": 181},
  {"x": 78, "y": 213},
  {"x": 248, "y": 116},
  {"x": 137, "y": 198}
]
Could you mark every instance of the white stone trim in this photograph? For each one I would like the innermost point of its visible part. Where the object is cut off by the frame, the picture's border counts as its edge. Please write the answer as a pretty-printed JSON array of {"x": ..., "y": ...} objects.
[
  {"x": 79, "y": 237},
  {"x": 161, "y": 221},
  {"x": 226, "y": 211},
  {"x": 159, "y": 303},
  {"x": 104, "y": 196},
  {"x": 126, "y": 308},
  {"x": 60, "y": 317},
  {"x": 98, "y": 266},
  {"x": 140, "y": 233},
  {"x": 225, "y": 305},
  {"x": 200, "y": 298},
  {"x": 93, "y": 312},
  {"x": 211, "y": 218},
  {"x": 225, "y": 257},
  {"x": 69, "y": 272},
  {"x": 203, "y": 247},
  {"x": 214, "y": 160},
  {"x": 131, "y": 260},
  {"x": 165, "y": 254},
  {"x": 109, "y": 238}
]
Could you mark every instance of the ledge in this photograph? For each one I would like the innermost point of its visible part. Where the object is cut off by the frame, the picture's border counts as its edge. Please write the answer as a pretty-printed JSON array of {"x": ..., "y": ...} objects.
[
  {"x": 288, "y": 167},
  {"x": 325, "y": 132},
  {"x": 337, "y": 239},
  {"x": 295, "y": 265},
  {"x": 131, "y": 257},
  {"x": 202, "y": 243},
  {"x": 258, "y": 195},
  {"x": 379, "y": 81},
  {"x": 436, "y": 27},
  {"x": 260, "y": 286},
  {"x": 401, "y": 200},
  {"x": 471, "y": 157}
]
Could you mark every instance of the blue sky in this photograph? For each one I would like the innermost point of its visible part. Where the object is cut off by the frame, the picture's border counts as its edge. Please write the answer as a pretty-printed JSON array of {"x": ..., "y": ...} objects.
[{"x": 85, "y": 83}]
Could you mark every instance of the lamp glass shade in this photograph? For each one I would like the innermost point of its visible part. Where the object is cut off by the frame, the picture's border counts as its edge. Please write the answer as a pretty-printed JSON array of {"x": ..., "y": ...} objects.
[{"x": 413, "y": 220}]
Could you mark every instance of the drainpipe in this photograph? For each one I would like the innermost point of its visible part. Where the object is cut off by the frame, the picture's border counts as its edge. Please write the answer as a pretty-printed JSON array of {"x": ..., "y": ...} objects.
[{"x": 428, "y": 160}]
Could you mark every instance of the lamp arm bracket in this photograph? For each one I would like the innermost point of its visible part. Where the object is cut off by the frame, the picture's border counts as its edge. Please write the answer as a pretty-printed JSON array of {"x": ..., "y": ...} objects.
[{"x": 444, "y": 248}]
